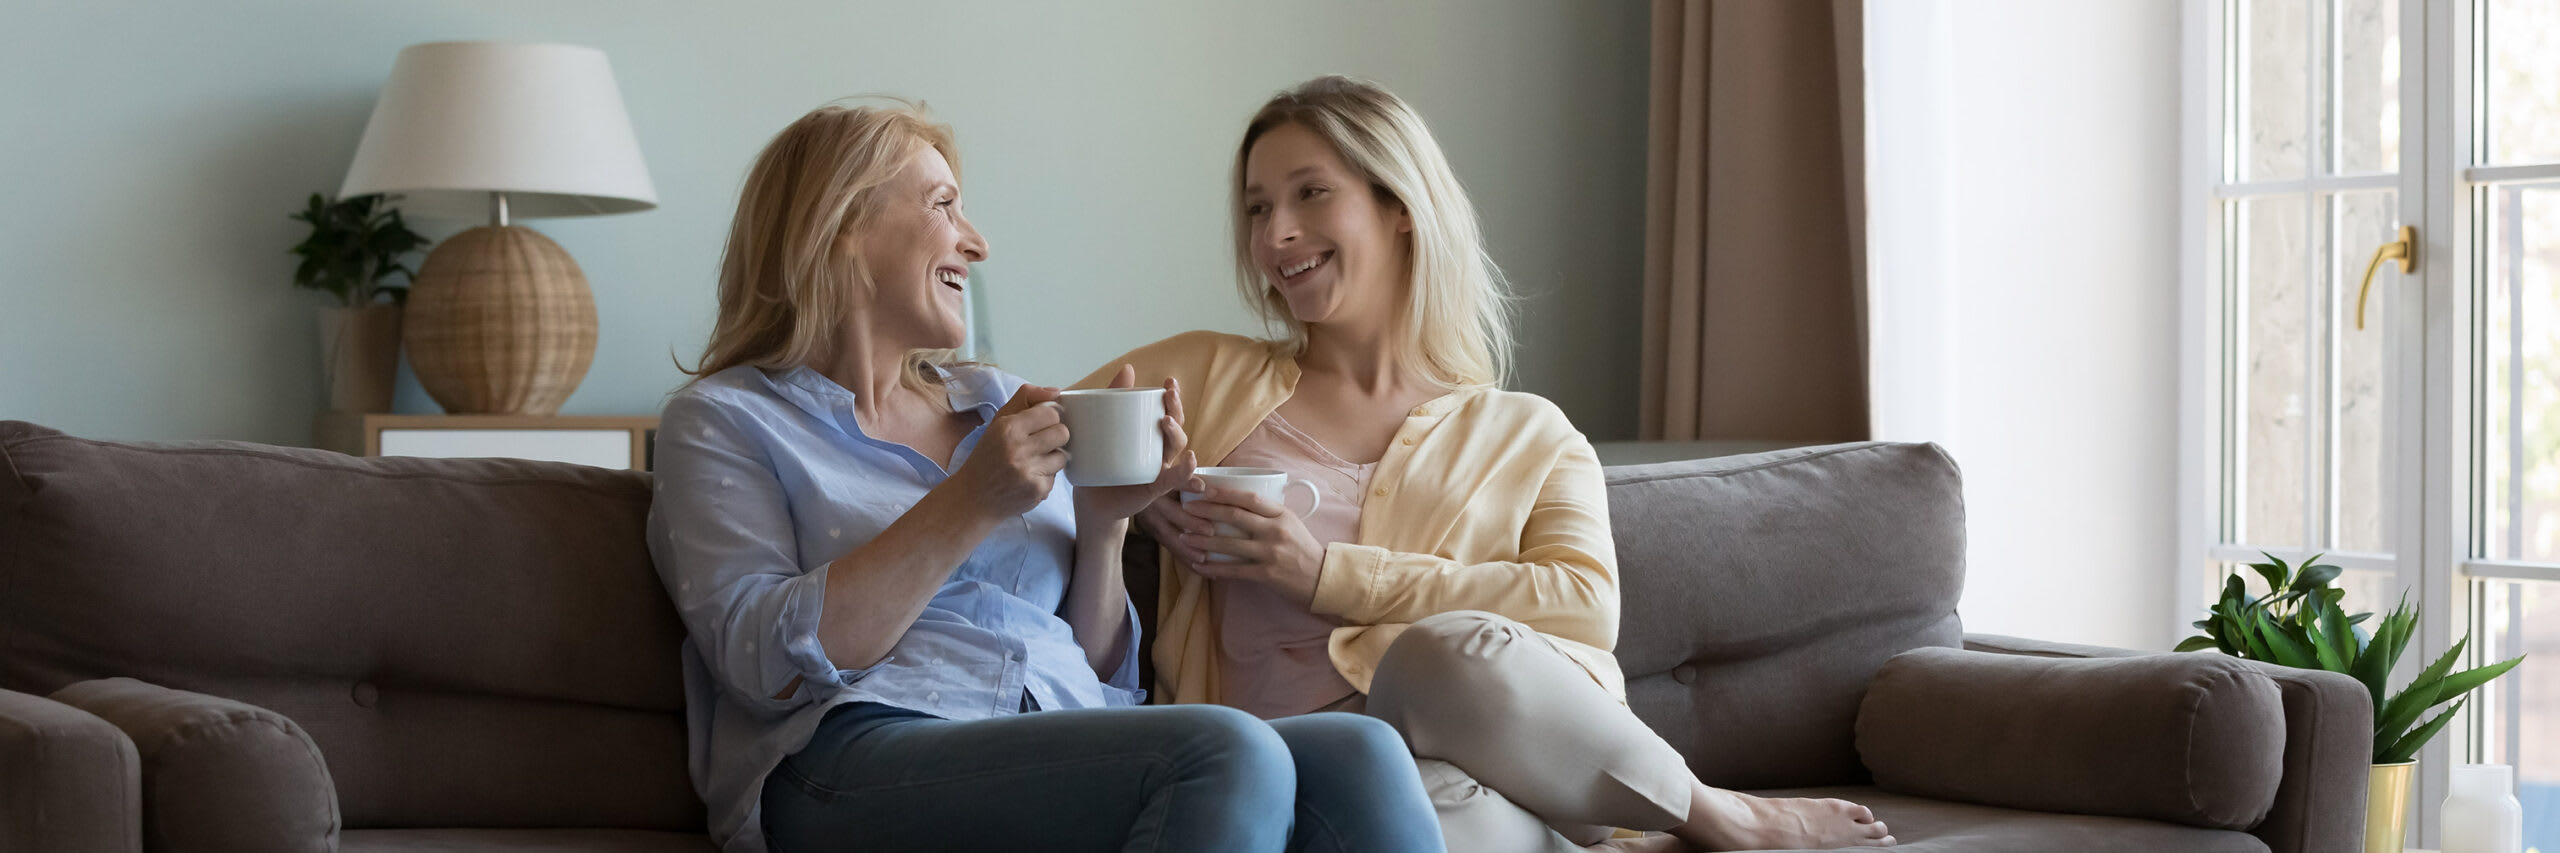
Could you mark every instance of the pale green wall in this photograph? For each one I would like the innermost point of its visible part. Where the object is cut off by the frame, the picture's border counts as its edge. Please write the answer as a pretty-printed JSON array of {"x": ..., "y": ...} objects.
[{"x": 150, "y": 151}]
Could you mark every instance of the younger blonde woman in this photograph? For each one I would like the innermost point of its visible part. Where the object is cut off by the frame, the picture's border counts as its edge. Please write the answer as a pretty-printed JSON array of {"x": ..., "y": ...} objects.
[{"x": 1458, "y": 580}]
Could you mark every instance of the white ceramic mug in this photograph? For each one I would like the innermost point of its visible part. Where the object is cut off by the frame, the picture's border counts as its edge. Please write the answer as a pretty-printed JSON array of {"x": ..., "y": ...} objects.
[
  {"x": 1270, "y": 484},
  {"x": 1113, "y": 435}
]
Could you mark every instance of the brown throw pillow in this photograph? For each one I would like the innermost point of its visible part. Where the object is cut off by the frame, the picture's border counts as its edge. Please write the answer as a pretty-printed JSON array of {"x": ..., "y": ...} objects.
[
  {"x": 217, "y": 775},
  {"x": 2196, "y": 739}
]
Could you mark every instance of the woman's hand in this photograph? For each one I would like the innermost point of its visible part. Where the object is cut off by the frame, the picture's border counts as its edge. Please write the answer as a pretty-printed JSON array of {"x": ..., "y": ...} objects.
[
  {"x": 1018, "y": 458},
  {"x": 1165, "y": 521},
  {"x": 1115, "y": 503},
  {"x": 1273, "y": 547}
]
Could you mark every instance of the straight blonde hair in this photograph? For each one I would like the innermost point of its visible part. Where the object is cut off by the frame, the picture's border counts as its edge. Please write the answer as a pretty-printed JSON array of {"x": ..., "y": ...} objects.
[
  {"x": 1458, "y": 317},
  {"x": 783, "y": 289}
]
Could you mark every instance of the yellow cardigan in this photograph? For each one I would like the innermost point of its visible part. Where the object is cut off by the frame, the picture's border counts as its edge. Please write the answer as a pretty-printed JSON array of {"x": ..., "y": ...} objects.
[{"x": 1487, "y": 500}]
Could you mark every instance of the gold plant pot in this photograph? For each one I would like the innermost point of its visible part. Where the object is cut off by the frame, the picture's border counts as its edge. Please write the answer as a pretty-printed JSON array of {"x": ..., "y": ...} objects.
[
  {"x": 500, "y": 322},
  {"x": 2386, "y": 806}
]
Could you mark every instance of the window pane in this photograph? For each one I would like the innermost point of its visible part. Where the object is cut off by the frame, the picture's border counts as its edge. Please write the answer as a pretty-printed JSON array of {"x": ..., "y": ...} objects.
[
  {"x": 2521, "y": 394},
  {"x": 2275, "y": 90},
  {"x": 2273, "y": 400},
  {"x": 2362, "y": 221},
  {"x": 2523, "y": 85},
  {"x": 2368, "y": 83},
  {"x": 2370, "y": 592},
  {"x": 2523, "y": 707}
]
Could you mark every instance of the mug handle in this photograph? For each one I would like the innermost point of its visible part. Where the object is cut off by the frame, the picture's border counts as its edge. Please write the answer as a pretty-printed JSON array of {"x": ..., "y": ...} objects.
[{"x": 1315, "y": 499}]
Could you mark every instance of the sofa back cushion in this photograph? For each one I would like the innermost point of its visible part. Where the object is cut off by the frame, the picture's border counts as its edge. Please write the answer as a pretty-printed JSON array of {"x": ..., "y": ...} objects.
[
  {"x": 1761, "y": 592},
  {"x": 471, "y": 642}
]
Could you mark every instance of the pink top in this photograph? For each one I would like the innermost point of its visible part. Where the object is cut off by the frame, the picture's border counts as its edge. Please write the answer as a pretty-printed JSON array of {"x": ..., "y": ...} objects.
[{"x": 1276, "y": 663}]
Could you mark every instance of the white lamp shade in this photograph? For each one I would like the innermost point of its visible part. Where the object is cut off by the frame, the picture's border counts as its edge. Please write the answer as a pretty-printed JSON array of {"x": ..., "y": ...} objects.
[{"x": 542, "y": 123}]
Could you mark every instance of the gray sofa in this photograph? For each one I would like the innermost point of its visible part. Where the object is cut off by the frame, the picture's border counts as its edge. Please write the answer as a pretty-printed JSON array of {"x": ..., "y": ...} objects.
[{"x": 224, "y": 646}]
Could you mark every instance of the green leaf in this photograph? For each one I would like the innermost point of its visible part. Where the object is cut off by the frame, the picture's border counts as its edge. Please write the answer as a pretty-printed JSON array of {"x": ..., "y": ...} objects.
[
  {"x": 2196, "y": 643},
  {"x": 2423, "y": 692},
  {"x": 353, "y": 245},
  {"x": 2289, "y": 649},
  {"x": 2390, "y": 638},
  {"x": 2335, "y": 646},
  {"x": 2274, "y": 570},
  {"x": 2406, "y": 747},
  {"x": 2468, "y": 680},
  {"x": 2315, "y": 577},
  {"x": 2251, "y": 642}
]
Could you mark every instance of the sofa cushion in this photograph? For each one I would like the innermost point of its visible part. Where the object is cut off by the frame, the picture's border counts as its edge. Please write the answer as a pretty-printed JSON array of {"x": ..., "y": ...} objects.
[
  {"x": 2184, "y": 738},
  {"x": 471, "y": 642},
  {"x": 69, "y": 782},
  {"x": 1762, "y": 591},
  {"x": 217, "y": 774},
  {"x": 1923, "y": 825}
]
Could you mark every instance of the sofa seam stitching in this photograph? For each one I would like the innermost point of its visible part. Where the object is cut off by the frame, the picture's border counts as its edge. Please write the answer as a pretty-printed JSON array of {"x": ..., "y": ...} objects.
[
  {"x": 2302, "y": 816},
  {"x": 2187, "y": 767},
  {"x": 1773, "y": 463}
]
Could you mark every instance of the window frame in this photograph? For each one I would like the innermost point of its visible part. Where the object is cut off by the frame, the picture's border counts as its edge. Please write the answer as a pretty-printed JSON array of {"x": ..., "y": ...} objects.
[{"x": 2429, "y": 526}]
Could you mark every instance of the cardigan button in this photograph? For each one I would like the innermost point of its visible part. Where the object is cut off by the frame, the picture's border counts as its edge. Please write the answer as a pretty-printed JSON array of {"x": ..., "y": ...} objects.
[
  {"x": 1380, "y": 493},
  {"x": 1684, "y": 674}
]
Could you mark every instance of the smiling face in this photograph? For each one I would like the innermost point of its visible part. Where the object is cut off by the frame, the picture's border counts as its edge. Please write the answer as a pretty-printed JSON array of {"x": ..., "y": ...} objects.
[
  {"x": 1335, "y": 247},
  {"x": 917, "y": 247}
]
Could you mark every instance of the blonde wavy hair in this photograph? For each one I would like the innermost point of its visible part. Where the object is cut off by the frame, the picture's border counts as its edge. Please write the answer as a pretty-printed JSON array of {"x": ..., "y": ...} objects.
[
  {"x": 783, "y": 287},
  {"x": 1458, "y": 313}
]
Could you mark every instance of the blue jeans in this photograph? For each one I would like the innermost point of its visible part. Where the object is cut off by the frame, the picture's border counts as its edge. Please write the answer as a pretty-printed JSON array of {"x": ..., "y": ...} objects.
[{"x": 1156, "y": 778}]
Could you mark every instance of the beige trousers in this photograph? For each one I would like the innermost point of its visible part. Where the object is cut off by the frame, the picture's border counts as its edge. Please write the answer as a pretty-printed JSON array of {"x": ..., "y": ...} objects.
[{"x": 1518, "y": 747}]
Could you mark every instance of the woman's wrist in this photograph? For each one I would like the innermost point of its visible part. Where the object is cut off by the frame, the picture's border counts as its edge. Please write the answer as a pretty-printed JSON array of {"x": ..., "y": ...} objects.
[
  {"x": 1092, "y": 520},
  {"x": 949, "y": 512}
]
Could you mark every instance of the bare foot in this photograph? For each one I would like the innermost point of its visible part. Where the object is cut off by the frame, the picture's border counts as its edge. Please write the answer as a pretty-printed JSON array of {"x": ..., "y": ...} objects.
[
  {"x": 1724, "y": 820},
  {"x": 1641, "y": 844}
]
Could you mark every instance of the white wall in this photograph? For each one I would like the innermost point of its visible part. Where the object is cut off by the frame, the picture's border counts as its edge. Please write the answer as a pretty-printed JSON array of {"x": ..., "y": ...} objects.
[
  {"x": 2024, "y": 288},
  {"x": 150, "y": 153}
]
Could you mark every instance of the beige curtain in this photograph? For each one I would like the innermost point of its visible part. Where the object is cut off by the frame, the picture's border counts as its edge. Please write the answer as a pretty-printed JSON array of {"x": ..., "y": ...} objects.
[{"x": 1755, "y": 217}]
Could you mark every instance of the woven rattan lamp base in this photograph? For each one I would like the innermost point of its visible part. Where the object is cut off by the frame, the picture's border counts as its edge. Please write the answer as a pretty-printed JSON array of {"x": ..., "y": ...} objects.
[{"x": 500, "y": 322}]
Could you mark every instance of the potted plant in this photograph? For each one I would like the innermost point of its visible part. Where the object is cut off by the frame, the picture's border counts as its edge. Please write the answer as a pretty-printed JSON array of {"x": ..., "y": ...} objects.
[
  {"x": 2298, "y": 623},
  {"x": 356, "y": 246}
]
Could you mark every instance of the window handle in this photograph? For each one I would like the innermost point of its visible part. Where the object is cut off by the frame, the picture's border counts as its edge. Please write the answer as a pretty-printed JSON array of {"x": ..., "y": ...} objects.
[{"x": 2404, "y": 250}]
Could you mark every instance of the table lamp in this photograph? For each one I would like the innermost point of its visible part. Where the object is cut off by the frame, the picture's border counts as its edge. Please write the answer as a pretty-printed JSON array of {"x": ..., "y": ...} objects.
[{"x": 499, "y": 318}]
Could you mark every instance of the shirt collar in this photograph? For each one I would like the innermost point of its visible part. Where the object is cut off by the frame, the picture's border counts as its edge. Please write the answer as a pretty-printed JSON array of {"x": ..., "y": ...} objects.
[
  {"x": 970, "y": 388},
  {"x": 973, "y": 386}
]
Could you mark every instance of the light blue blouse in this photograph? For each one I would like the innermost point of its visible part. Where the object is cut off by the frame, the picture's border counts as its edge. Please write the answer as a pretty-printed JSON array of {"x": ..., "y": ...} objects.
[{"x": 763, "y": 479}]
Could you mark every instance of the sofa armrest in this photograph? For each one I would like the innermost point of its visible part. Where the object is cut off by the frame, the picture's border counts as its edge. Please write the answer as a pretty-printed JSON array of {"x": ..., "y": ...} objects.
[
  {"x": 2191, "y": 740},
  {"x": 2328, "y": 749},
  {"x": 217, "y": 774},
  {"x": 72, "y": 782}
]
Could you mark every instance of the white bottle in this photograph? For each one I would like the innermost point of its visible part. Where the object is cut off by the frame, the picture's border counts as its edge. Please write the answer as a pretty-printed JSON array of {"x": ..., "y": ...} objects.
[{"x": 2482, "y": 815}]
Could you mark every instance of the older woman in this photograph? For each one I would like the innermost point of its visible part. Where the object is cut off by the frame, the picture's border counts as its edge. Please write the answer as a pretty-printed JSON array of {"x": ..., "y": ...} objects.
[
  {"x": 882, "y": 580},
  {"x": 1457, "y": 579}
]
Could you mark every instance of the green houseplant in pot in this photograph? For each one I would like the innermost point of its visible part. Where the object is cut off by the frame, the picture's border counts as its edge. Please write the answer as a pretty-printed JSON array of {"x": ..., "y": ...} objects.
[
  {"x": 2299, "y": 623},
  {"x": 355, "y": 249}
]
